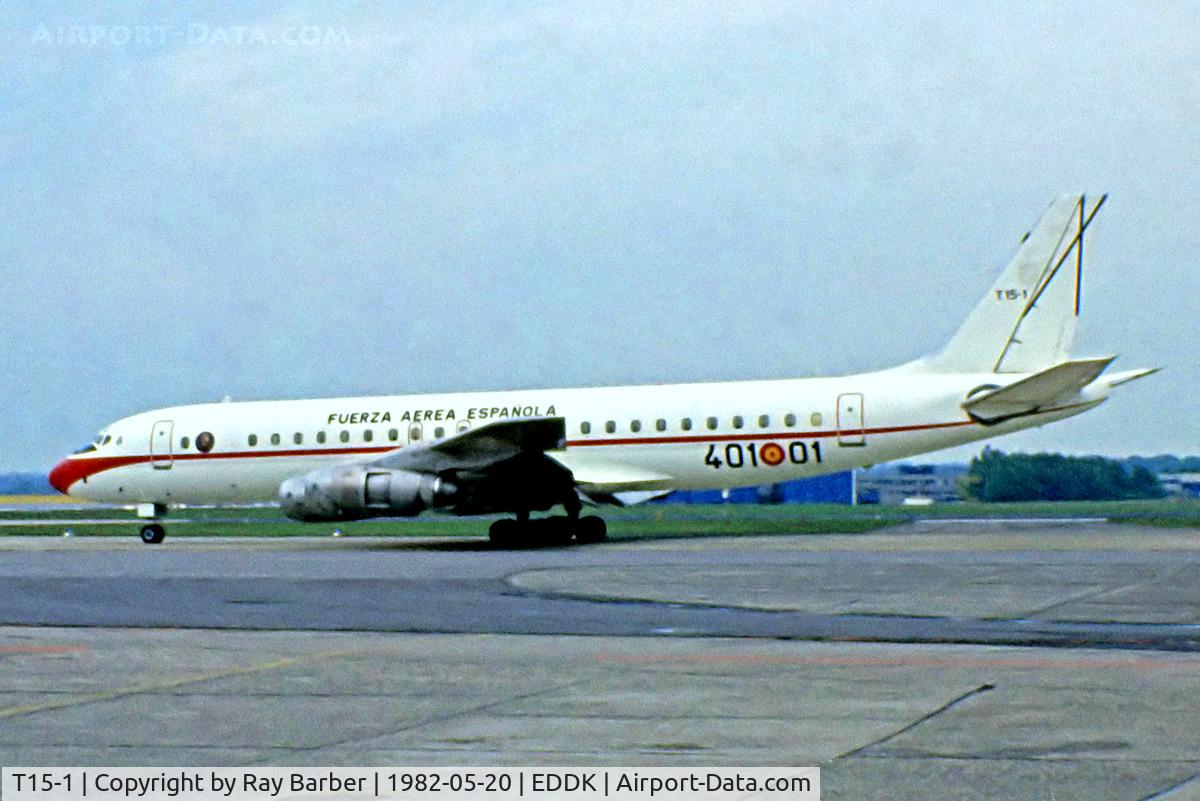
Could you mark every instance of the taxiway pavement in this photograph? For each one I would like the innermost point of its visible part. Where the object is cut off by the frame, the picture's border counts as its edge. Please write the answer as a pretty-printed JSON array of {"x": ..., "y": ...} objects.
[{"x": 1054, "y": 661}]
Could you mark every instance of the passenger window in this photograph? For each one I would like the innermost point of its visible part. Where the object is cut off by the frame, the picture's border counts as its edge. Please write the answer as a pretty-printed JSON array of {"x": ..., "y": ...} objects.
[
  {"x": 414, "y": 433},
  {"x": 439, "y": 432},
  {"x": 660, "y": 424},
  {"x": 298, "y": 438},
  {"x": 183, "y": 443},
  {"x": 635, "y": 426},
  {"x": 344, "y": 436},
  {"x": 120, "y": 440},
  {"x": 610, "y": 427},
  {"x": 252, "y": 440},
  {"x": 711, "y": 423},
  {"x": 764, "y": 421},
  {"x": 789, "y": 420},
  {"x": 274, "y": 439},
  {"x": 393, "y": 434},
  {"x": 205, "y": 441},
  {"x": 585, "y": 427},
  {"x": 320, "y": 437},
  {"x": 463, "y": 425},
  {"x": 816, "y": 419},
  {"x": 368, "y": 435},
  {"x": 686, "y": 424},
  {"x": 737, "y": 421}
]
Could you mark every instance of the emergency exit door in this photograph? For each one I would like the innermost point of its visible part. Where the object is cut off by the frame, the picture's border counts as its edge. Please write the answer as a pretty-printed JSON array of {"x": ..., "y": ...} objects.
[
  {"x": 161, "y": 455},
  {"x": 851, "y": 428}
]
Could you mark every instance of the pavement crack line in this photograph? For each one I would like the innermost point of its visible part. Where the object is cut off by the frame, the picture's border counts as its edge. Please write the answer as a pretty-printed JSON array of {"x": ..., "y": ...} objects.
[
  {"x": 930, "y": 756},
  {"x": 461, "y": 713},
  {"x": 982, "y": 688},
  {"x": 1083, "y": 596},
  {"x": 1167, "y": 791},
  {"x": 167, "y": 684}
]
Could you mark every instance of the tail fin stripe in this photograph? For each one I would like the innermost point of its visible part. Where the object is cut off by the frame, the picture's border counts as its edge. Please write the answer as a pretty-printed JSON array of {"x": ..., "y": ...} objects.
[
  {"x": 1079, "y": 251},
  {"x": 1077, "y": 240},
  {"x": 1076, "y": 244}
]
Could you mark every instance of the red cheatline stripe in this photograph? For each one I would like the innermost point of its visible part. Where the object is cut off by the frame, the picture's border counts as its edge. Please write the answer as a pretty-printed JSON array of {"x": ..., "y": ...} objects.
[
  {"x": 743, "y": 437},
  {"x": 299, "y": 452},
  {"x": 72, "y": 470}
]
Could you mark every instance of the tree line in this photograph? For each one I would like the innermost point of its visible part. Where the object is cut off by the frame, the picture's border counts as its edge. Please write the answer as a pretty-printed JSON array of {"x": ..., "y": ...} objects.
[{"x": 998, "y": 476}]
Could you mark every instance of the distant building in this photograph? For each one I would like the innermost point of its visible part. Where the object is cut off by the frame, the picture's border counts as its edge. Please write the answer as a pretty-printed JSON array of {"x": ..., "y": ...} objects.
[
  {"x": 910, "y": 484},
  {"x": 833, "y": 488},
  {"x": 1181, "y": 485}
]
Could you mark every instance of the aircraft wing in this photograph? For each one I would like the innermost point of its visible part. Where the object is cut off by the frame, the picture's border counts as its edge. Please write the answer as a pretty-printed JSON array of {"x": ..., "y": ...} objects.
[
  {"x": 493, "y": 468},
  {"x": 523, "y": 457},
  {"x": 481, "y": 448}
]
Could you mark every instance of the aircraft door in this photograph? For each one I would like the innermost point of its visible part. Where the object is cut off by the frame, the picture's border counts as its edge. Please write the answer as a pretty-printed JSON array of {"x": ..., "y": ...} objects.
[
  {"x": 161, "y": 455},
  {"x": 851, "y": 428}
]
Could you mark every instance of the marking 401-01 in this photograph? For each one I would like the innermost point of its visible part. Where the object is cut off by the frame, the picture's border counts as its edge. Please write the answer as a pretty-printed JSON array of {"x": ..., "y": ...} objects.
[{"x": 769, "y": 454}]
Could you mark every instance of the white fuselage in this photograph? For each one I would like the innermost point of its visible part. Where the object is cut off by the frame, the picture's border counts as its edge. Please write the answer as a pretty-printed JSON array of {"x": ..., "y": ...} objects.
[{"x": 680, "y": 436}]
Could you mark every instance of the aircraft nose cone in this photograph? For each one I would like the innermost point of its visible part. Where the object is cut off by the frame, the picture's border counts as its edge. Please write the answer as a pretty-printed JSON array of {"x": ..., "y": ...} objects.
[{"x": 61, "y": 477}]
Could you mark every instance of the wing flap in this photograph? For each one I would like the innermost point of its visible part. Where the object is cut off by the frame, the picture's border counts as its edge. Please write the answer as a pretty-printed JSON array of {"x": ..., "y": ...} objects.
[{"x": 605, "y": 478}]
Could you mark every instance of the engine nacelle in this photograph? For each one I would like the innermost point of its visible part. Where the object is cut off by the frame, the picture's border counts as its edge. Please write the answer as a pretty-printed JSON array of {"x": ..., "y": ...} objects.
[{"x": 354, "y": 492}]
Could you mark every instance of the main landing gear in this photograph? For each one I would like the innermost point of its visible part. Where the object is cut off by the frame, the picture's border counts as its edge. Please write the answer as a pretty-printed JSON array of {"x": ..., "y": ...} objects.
[{"x": 548, "y": 531}]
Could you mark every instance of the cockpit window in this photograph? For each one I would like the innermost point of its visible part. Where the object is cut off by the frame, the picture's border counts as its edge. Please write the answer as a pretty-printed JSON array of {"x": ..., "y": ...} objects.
[{"x": 100, "y": 440}]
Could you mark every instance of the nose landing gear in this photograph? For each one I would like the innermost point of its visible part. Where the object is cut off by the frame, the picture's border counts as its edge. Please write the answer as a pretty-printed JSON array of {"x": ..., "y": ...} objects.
[{"x": 153, "y": 533}]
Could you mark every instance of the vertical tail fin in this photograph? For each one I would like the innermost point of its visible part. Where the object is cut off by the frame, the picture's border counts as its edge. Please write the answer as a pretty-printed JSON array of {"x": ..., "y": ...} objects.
[{"x": 1026, "y": 321}]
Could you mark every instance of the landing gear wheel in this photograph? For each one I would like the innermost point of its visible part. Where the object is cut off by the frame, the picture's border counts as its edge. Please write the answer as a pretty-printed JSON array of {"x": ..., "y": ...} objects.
[
  {"x": 503, "y": 533},
  {"x": 553, "y": 531},
  {"x": 590, "y": 529},
  {"x": 153, "y": 533}
]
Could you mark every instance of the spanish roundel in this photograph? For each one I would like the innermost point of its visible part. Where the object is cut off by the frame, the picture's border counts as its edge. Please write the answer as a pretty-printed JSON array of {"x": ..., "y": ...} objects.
[{"x": 771, "y": 454}]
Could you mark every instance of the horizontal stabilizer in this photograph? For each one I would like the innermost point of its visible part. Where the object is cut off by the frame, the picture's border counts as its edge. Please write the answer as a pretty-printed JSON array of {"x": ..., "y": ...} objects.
[{"x": 1048, "y": 388}]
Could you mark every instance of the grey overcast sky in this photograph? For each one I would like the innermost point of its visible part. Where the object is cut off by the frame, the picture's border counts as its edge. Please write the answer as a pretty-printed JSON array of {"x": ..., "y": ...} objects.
[{"x": 201, "y": 200}]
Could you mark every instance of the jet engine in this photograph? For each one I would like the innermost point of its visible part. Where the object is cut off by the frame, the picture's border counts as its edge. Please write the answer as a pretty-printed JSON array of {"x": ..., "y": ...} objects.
[{"x": 354, "y": 492}]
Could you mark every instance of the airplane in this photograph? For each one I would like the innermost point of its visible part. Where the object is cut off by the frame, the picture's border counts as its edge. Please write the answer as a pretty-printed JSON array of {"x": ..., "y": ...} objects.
[{"x": 1007, "y": 368}]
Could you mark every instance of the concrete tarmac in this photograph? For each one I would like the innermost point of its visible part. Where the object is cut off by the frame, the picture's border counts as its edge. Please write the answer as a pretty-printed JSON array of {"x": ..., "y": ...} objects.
[{"x": 922, "y": 662}]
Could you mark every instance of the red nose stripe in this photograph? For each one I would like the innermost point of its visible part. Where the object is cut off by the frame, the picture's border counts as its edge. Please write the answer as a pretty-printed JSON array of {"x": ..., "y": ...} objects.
[{"x": 68, "y": 471}]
